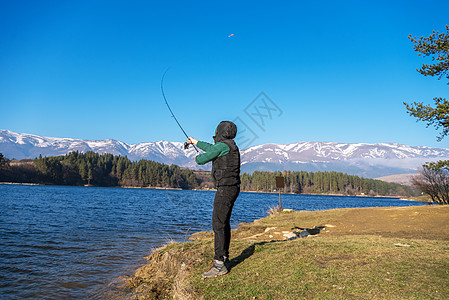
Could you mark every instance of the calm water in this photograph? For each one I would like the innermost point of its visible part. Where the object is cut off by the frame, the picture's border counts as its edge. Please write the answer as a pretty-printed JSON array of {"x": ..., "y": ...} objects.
[{"x": 70, "y": 242}]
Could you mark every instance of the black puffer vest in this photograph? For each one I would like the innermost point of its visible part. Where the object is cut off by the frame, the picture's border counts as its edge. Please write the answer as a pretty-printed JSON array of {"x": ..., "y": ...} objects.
[{"x": 226, "y": 168}]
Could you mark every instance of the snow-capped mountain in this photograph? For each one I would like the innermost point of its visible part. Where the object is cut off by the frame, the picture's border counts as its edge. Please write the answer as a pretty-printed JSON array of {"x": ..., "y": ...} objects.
[
  {"x": 23, "y": 145},
  {"x": 368, "y": 160}
]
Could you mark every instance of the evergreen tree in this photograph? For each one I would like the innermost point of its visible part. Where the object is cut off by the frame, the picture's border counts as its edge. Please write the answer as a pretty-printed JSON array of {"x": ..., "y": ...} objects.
[
  {"x": 3, "y": 161},
  {"x": 435, "y": 46},
  {"x": 322, "y": 182}
]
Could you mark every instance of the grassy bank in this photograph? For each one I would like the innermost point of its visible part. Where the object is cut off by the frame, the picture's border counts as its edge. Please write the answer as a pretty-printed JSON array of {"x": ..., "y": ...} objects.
[{"x": 389, "y": 253}]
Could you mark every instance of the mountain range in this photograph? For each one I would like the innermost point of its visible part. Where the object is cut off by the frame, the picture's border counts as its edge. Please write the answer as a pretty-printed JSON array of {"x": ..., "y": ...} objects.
[{"x": 367, "y": 160}]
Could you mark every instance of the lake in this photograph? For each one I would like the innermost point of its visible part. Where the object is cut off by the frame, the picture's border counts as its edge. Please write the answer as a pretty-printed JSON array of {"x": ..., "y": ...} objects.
[{"x": 71, "y": 242}]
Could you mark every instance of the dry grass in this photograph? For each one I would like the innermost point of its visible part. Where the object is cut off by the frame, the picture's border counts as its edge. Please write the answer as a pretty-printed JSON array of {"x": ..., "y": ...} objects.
[
  {"x": 165, "y": 275},
  {"x": 275, "y": 210},
  {"x": 346, "y": 267}
]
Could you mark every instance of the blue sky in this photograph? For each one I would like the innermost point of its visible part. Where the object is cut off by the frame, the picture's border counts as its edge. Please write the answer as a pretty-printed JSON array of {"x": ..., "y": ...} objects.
[{"x": 333, "y": 71}]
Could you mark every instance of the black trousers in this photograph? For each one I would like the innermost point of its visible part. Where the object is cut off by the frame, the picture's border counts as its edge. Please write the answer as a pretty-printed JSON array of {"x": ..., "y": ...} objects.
[{"x": 223, "y": 204}]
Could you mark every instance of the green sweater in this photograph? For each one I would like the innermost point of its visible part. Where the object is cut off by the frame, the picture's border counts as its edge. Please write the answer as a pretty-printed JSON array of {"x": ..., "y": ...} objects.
[{"x": 212, "y": 151}]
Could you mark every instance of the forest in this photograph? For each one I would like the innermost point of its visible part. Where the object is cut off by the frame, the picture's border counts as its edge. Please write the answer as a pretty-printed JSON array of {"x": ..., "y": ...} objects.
[
  {"x": 95, "y": 169},
  {"x": 302, "y": 182}
]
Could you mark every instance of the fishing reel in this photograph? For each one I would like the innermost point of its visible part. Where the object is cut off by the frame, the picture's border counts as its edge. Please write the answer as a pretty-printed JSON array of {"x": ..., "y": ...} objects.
[{"x": 186, "y": 145}]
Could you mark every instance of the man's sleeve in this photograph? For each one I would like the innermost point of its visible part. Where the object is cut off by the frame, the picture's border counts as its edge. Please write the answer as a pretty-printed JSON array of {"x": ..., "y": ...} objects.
[
  {"x": 212, "y": 152},
  {"x": 204, "y": 146}
]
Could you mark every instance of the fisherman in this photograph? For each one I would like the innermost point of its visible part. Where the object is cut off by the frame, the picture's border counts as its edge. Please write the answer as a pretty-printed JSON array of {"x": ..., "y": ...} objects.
[{"x": 225, "y": 157}]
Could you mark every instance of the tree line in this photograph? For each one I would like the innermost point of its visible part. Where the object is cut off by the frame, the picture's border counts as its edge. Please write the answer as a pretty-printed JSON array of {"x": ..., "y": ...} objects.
[
  {"x": 322, "y": 182},
  {"x": 91, "y": 168}
]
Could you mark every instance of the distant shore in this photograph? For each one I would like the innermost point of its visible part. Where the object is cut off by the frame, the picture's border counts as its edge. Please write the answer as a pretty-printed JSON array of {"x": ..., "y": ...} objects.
[{"x": 19, "y": 183}]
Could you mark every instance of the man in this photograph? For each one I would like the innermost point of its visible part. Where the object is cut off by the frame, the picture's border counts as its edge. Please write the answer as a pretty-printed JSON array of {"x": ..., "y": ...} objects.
[{"x": 225, "y": 157}]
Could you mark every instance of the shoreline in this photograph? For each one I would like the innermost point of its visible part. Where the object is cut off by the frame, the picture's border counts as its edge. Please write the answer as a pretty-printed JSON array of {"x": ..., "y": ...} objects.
[
  {"x": 326, "y": 194},
  {"x": 90, "y": 185},
  {"x": 20, "y": 183}
]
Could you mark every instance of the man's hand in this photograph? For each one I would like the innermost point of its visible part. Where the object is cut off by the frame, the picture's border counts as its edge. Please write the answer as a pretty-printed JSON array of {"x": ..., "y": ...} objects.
[{"x": 191, "y": 140}]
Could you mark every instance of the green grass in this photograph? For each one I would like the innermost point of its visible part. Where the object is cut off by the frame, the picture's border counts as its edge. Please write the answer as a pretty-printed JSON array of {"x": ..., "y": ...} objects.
[{"x": 329, "y": 268}]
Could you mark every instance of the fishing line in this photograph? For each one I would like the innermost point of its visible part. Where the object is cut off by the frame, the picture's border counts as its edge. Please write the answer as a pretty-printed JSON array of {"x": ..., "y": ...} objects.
[{"x": 186, "y": 144}]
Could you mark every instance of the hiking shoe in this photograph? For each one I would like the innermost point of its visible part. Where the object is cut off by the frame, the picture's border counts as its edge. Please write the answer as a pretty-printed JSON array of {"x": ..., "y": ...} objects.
[
  {"x": 218, "y": 268},
  {"x": 227, "y": 262}
]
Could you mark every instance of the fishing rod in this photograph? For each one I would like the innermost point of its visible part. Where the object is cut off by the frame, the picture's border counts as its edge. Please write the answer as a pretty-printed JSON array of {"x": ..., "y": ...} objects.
[{"x": 186, "y": 144}]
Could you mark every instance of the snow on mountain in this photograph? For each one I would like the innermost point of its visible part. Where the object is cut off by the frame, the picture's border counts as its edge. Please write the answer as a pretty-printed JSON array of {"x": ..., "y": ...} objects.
[
  {"x": 368, "y": 160},
  {"x": 327, "y": 151},
  {"x": 22, "y": 145},
  {"x": 165, "y": 152}
]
